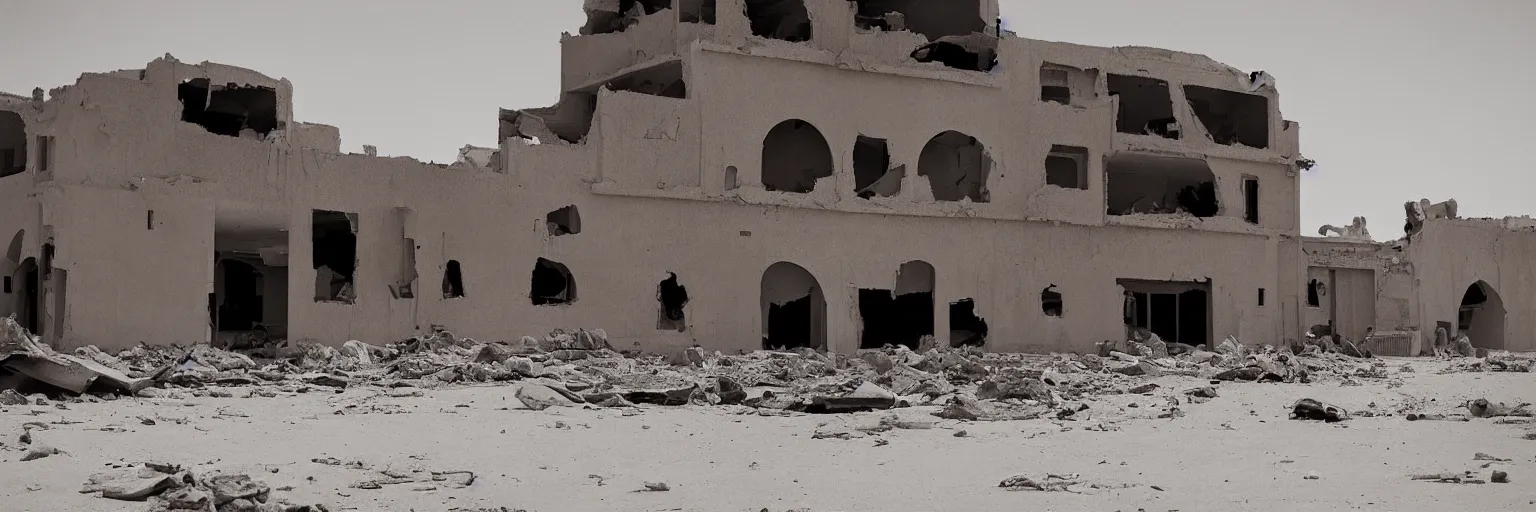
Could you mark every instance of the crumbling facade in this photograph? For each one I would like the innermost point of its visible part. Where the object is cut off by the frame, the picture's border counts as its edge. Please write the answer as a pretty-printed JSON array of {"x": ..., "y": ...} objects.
[
  {"x": 1470, "y": 277},
  {"x": 736, "y": 174}
]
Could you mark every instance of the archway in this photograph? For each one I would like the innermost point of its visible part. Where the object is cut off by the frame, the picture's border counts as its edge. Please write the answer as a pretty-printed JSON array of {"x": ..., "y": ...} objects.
[
  {"x": 957, "y": 166},
  {"x": 795, "y": 155},
  {"x": 1481, "y": 316},
  {"x": 793, "y": 308}
]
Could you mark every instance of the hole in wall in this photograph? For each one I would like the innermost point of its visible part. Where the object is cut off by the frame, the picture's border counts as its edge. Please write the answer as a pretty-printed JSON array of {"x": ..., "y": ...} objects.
[
  {"x": 13, "y": 144},
  {"x": 795, "y": 155},
  {"x": 1152, "y": 184},
  {"x": 1251, "y": 200},
  {"x": 1053, "y": 86},
  {"x": 1050, "y": 301},
  {"x": 901, "y": 316},
  {"x": 730, "y": 178},
  {"x": 786, "y": 20},
  {"x": 564, "y": 221},
  {"x": 453, "y": 280},
  {"x": 957, "y": 166},
  {"x": 231, "y": 110},
  {"x": 872, "y": 172},
  {"x": 601, "y": 21},
  {"x": 1146, "y": 106},
  {"x": 552, "y": 284},
  {"x": 1067, "y": 167},
  {"x": 966, "y": 328},
  {"x": 334, "y": 253},
  {"x": 1261, "y": 297},
  {"x": 672, "y": 297},
  {"x": 974, "y": 52},
  {"x": 1315, "y": 293},
  {"x": 1231, "y": 117}
]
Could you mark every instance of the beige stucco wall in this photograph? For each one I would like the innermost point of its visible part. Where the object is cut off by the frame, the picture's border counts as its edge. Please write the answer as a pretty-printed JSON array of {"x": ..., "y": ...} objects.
[
  {"x": 649, "y": 183},
  {"x": 1451, "y": 255}
]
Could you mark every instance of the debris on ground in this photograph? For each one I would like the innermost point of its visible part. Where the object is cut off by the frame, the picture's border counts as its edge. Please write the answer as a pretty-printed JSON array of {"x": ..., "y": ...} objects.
[
  {"x": 1049, "y": 483},
  {"x": 1482, "y": 408},
  {"x": 169, "y": 487},
  {"x": 1467, "y": 477},
  {"x": 656, "y": 487},
  {"x": 1309, "y": 409}
]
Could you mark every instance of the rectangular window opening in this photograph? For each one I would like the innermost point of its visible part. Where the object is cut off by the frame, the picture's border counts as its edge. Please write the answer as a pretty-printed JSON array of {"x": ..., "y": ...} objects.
[
  {"x": 1067, "y": 167},
  {"x": 334, "y": 245},
  {"x": 44, "y": 153},
  {"x": 1251, "y": 199},
  {"x": 231, "y": 110},
  {"x": 1139, "y": 183},
  {"x": 1146, "y": 106},
  {"x": 696, "y": 11},
  {"x": 1261, "y": 297},
  {"x": 1231, "y": 117},
  {"x": 13, "y": 144}
]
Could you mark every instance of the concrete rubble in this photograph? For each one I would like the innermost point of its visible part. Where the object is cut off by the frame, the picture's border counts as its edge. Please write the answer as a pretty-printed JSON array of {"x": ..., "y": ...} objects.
[{"x": 170, "y": 487}]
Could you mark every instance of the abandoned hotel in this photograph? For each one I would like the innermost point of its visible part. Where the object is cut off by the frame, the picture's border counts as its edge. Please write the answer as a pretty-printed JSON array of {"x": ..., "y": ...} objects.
[{"x": 735, "y": 174}]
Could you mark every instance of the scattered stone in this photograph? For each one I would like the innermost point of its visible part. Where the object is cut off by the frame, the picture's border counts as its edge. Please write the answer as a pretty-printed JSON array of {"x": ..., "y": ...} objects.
[
  {"x": 1143, "y": 389},
  {"x": 1202, "y": 392},
  {"x": 1309, "y": 409},
  {"x": 656, "y": 487},
  {"x": 1482, "y": 408},
  {"x": 1499, "y": 477},
  {"x": 1312, "y": 475},
  {"x": 539, "y": 397},
  {"x": 1050, "y": 483},
  {"x": 39, "y": 451},
  {"x": 11, "y": 397},
  {"x": 1487, "y": 457}
]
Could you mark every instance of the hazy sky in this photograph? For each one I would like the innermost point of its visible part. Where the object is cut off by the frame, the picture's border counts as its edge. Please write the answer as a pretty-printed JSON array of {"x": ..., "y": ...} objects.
[{"x": 1398, "y": 99}]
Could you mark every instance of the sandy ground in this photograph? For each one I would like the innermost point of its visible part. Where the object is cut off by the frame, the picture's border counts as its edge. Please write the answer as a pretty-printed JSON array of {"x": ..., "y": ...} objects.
[{"x": 1236, "y": 452}]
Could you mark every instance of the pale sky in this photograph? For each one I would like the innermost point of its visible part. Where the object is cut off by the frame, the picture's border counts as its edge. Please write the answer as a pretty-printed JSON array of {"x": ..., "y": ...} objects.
[{"x": 1398, "y": 99}]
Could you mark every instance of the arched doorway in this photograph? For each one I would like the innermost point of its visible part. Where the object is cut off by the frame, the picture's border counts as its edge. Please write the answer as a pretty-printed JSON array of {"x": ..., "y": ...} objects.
[
  {"x": 793, "y": 308},
  {"x": 795, "y": 155},
  {"x": 1481, "y": 316}
]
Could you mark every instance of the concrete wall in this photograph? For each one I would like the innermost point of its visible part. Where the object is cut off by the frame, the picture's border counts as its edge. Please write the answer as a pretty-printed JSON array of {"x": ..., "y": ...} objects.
[
  {"x": 1452, "y": 255},
  {"x": 650, "y": 187}
]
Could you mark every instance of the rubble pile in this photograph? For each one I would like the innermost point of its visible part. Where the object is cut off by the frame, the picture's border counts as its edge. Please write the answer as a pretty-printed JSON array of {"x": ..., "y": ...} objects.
[
  {"x": 169, "y": 487},
  {"x": 571, "y": 367}
]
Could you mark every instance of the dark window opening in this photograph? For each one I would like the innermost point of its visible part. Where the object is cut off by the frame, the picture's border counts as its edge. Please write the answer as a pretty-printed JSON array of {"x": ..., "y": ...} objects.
[
  {"x": 664, "y": 80},
  {"x": 334, "y": 245},
  {"x": 1067, "y": 167},
  {"x": 1050, "y": 302},
  {"x": 786, "y": 20},
  {"x": 1261, "y": 297},
  {"x": 552, "y": 284},
  {"x": 1141, "y": 183},
  {"x": 1251, "y": 200},
  {"x": 1067, "y": 85},
  {"x": 232, "y": 110},
  {"x": 957, "y": 166},
  {"x": 149, "y": 220},
  {"x": 1145, "y": 106},
  {"x": 793, "y": 308},
  {"x": 872, "y": 172},
  {"x": 673, "y": 297},
  {"x": 1174, "y": 311},
  {"x": 240, "y": 304},
  {"x": 965, "y": 327},
  {"x": 27, "y": 304},
  {"x": 1314, "y": 293},
  {"x": 697, "y": 11},
  {"x": 901, "y": 316},
  {"x": 932, "y": 19},
  {"x": 1231, "y": 117},
  {"x": 629, "y": 13},
  {"x": 795, "y": 155},
  {"x": 564, "y": 221},
  {"x": 453, "y": 280},
  {"x": 404, "y": 285},
  {"x": 48, "y": 254},
  {"x": 44, "y": 153},
  {"x": 7, "y": 284},
  {"x": 731, "y": 180},
  {"x": 13, "y": 144},
  {"x": 1054, "y": 87},
  {"x": 974, "y": 52}
]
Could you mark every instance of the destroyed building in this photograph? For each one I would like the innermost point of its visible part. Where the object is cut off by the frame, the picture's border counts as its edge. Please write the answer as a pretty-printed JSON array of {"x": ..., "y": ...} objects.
[
  {"x": 737, "y": 174},
  {"x": 1468, "y": 276}
]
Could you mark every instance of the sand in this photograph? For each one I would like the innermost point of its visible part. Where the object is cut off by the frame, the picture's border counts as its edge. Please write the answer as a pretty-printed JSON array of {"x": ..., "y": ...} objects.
[{"x": 1235, "y": 452}]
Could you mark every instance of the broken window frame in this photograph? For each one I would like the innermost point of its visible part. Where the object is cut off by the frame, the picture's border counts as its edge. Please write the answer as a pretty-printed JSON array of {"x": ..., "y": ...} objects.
[
  {"x": 697, "y": 11},
  {"x": 668, "y": 316},
  {"x": 888, "y": 182},
  {"x": 1237, "y": 124},
  {"x": 567, "y": 294},
  {"x": 346, "y": 293},
  {"x": 1051, "y": 296},
  {"x": 790, "y": 139},
  {"x": 1187, "y": 186},
  {"x": 977, "y": 190},
  {"x": 453, "y": 280},
  {"x": 765, "y": 28},
  {"x": 230, "y": 109},
  {"x": 1166, "y": 126},
  {"x": 1142, "y": 294},
  {"x": 1079, "y": 157},
  {"x": 1251, "y": 203},
  {"x": 565, "y": 220}
]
